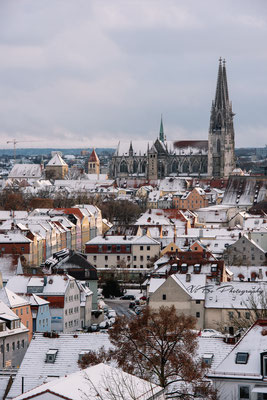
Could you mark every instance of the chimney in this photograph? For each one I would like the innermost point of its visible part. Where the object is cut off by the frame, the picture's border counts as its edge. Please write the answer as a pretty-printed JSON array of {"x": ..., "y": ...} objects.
[{"x": 188, "y": 277}]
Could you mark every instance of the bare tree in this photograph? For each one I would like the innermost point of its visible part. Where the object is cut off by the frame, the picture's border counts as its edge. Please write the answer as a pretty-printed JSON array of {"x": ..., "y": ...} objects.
[
  {"x": 255, "y": 308},
  {"x": 160, "y": 346}
]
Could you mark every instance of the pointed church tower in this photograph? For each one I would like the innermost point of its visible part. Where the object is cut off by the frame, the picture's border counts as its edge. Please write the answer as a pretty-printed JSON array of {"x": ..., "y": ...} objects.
[
  {"x": 131, "y": 150},
  {"x": 161, "y": 131},
  {"x": 221, "y": 151},
  {"x": 93, "y": 164}
]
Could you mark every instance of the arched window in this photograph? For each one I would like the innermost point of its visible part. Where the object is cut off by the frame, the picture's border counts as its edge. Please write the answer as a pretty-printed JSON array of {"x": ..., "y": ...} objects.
[
  {"x": 135, "y": 167},
  {"x": 185, "y": 167},
  {"x": 143, "y": 167},
  {"x": 174, "y": 166},
  {"x": 123, "y": 167},
  {"x": 218, "y": 146},
  {"x": 219, "y": 122},
  {"x": 196, "y": 167}
]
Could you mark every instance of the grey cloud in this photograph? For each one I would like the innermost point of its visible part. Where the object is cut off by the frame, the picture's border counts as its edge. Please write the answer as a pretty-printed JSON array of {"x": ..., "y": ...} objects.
[{"x": 89, "y": 72}]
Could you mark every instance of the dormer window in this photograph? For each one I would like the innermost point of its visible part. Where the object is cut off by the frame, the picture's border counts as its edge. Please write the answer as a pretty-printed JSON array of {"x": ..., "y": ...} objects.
[
  {"x": 82, "y": 353},
  {"x": 241, "y": 358},
  {"x": 51, "y": 356},
  {"x": 207, "y": 359}
]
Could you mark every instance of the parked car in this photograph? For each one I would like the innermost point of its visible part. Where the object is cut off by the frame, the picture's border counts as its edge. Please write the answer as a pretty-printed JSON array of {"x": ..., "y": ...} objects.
[
  {"x": 143, "y": 298},
  {"x": 111, "y": 321},
  {"x": 104, "y": 325},
  {"x": 93, "y": 328},
  {"x": 138, "y": 310},
  {"x": 128, "y": 297},
  {"x": 132, "y": 304},
  {"x": 112, "y": 314}
]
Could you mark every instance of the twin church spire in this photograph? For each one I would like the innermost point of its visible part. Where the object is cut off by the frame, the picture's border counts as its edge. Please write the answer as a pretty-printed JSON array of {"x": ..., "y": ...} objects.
[{"x": 221, "y": 159}]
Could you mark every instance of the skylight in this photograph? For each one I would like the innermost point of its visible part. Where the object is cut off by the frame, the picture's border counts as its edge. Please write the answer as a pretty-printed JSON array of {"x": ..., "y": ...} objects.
[{"x": 241, "y": 358}]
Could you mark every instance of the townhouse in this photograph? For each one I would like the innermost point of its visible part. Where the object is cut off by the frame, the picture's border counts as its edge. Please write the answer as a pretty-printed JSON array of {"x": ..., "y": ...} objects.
[
  {"x": 13, "y": 338},
  {"x": 122, "y": 251},
  {"x": 20, "y": 306},
  {"x": 61, "y": 291},
  {"x": 214, "y": 305},
  {"x": 191, "y": 200}
]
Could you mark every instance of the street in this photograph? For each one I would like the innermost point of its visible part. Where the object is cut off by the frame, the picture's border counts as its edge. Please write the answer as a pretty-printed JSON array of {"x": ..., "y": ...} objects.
[{"x": 120, "y": 306}]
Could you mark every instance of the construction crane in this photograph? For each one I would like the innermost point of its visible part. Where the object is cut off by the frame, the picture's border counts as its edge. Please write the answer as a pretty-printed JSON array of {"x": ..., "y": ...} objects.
[{"x": 14, "y": 141}]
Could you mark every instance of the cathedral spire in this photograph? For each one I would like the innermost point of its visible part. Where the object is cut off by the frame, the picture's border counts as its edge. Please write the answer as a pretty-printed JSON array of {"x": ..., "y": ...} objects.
[
  {"x": 161, "y": 131},
  {"x": 131, "y": 149},
  {"x": 221, "y": 96},
  {"x": 221, "y": 158}
]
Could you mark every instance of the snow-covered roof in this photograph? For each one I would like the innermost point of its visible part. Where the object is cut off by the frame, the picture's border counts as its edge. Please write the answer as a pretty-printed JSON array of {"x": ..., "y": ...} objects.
[
  {"x": 56, "y": 161},
  {"x": 246, "y": 271},
  {"x": 99, "y": 381},
  {"x": 11, "y": 299},
  {"x": 55, "y": 284},
  {"x": 233, "y": 295},
  {"x": 196, "y": 281},
  {"x": 14, "y": 238},
  {"x": 215, "y": 346},
  {"x": 153, "y": 217},
  {"x": 110, "y": 239},
  {"x": 36, "y": 370},
  {"x": 155, "y": 283},
  {"x": 139, "y": 148},
  {"x": 24, "y": 171},
  {"x": 253, "y": 343},
  {"x": 174, "y": 184}
]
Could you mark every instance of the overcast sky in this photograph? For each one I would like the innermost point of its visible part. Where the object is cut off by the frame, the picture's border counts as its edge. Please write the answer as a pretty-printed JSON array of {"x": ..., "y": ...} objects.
[{"x": 81, "y": 73}]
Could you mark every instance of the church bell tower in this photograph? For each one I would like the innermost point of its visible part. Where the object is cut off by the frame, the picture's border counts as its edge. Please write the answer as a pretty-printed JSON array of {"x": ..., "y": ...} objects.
[{"x": 221, "y": 147}]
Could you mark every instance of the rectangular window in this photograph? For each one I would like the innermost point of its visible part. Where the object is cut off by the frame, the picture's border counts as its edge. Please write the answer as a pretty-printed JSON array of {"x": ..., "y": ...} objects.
[
  {"x": 197, "y": 301},
  {"x": 164, "y": 297},
  {"x": 231, "y": 315},
  {"x": 7, "y": 347},
  {"x": 118, "y": 248},
  {"x": 109, "y": 248},
  {"x": 13, "y": 346},
  {"x": 128, "y": 247},
  {"x": 106, "y": 258},
  {"x": 198, "y": 314},
  {"x": 244, "y": 392},
  {"x": 141, "y": 247},
  {"x": 134, "y": 258},
  {"x": 21, "y": 311},
  {"x": 141, "y": 258},
  {"x": 94, "y": 258},
  {"x": 118, "y": 258},
  {"x": 247, "y": 315},
  {"x": 148, "y": 248},
  {"x": 22, "y": 343},
  {"x": 241, "y": 358},
  {"x": 100, "y": 248}
]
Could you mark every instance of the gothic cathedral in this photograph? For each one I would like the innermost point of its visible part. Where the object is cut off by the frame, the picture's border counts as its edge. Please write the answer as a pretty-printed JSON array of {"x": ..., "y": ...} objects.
[{"x": 149, "y": 161}]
